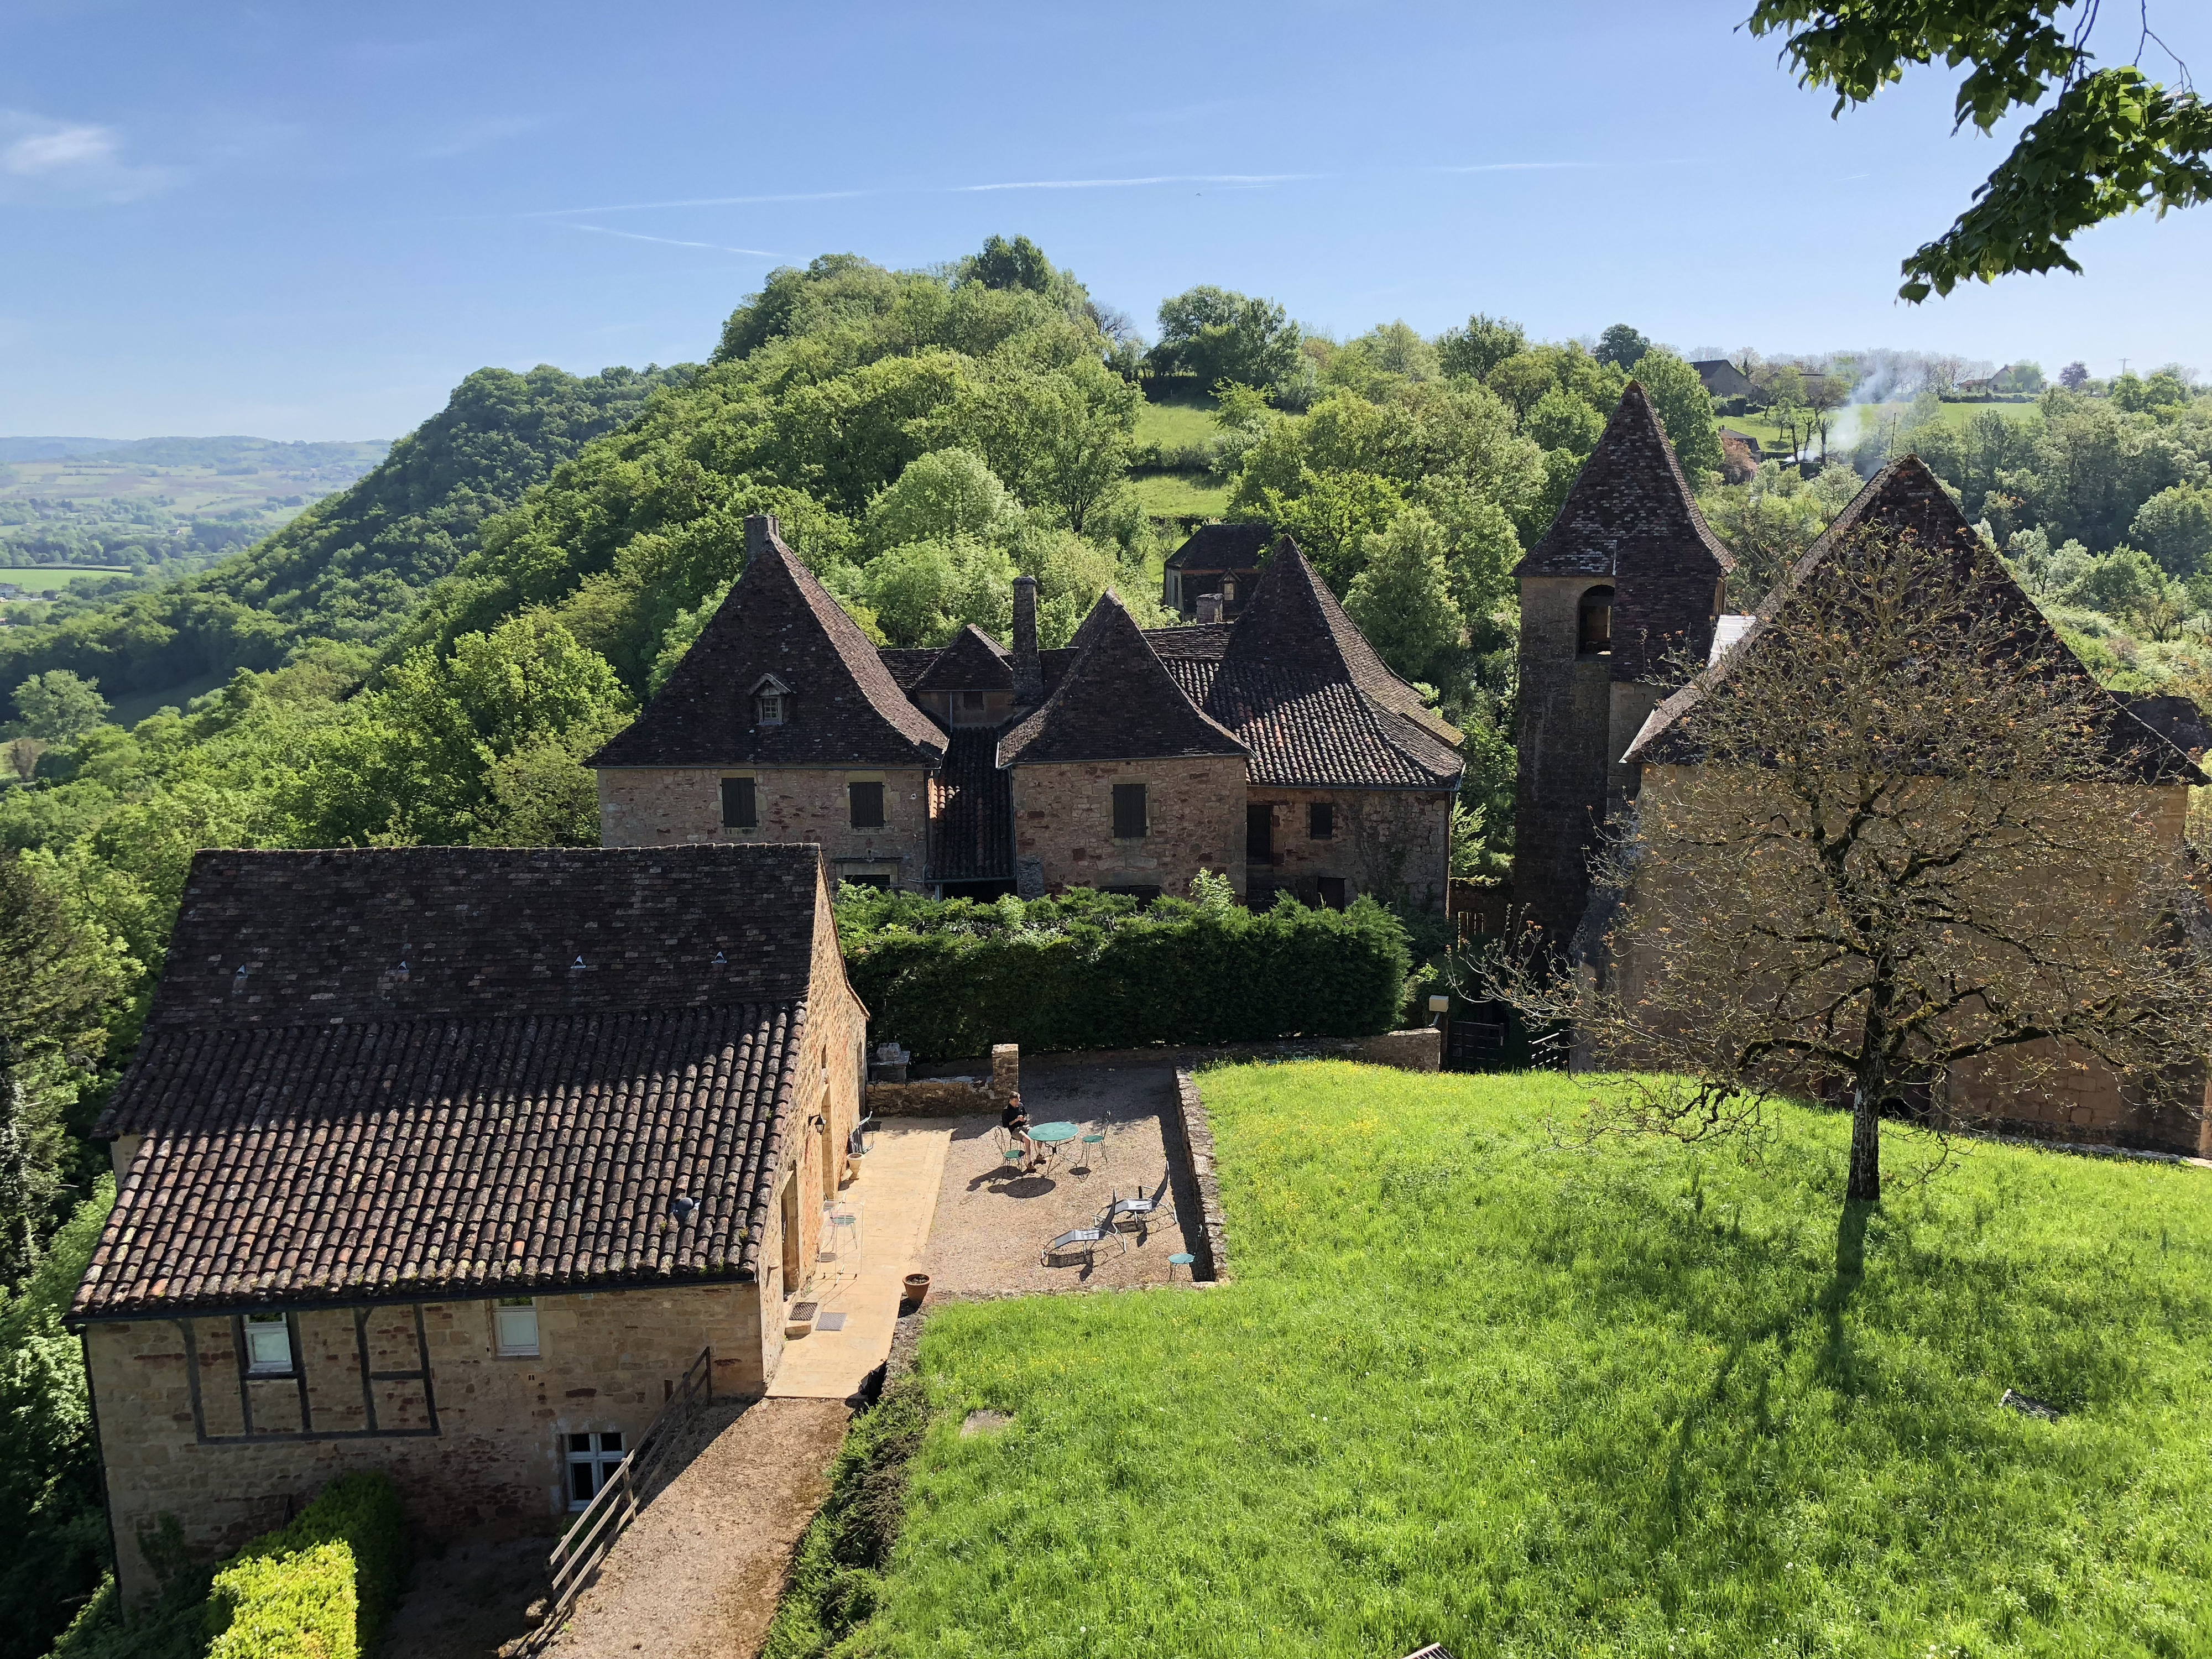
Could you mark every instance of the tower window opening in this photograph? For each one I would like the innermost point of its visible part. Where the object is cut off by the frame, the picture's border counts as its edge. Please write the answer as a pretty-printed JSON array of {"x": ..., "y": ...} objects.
[{"x": 1593, "y": 636}]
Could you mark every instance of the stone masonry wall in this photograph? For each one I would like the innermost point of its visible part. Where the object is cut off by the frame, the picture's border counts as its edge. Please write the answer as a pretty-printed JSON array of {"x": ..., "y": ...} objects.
[
  {"x": 1386, "y": 841},
  {"x": 652, "y": 806},
  {"x": 1560, "y": 790},
  {"x": 1064, "y": 822},
  {"x": 494, "y": 1469}
]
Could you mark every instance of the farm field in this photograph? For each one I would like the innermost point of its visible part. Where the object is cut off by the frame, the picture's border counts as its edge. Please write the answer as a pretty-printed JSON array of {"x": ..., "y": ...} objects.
[
  {"x": 1865, "y": 415},
  {"x": 1186, "y": 424},
  {"x": 1469, "y": 1386},
  {"x": 1181, "y": 495},
  {"x": 52, "y": 578}
]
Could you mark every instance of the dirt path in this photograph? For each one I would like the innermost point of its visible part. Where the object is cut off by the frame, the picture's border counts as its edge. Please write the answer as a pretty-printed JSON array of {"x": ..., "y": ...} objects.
[{"x": 699, "y": 1573}]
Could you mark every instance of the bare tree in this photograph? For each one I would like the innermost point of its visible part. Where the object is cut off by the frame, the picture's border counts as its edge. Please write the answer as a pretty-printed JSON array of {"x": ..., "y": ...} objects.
[{"x": 1897, "y": 839}]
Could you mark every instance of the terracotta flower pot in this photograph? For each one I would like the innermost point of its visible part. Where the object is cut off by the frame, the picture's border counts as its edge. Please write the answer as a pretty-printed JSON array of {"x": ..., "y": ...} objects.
[{"x": 917, "y": 1287}]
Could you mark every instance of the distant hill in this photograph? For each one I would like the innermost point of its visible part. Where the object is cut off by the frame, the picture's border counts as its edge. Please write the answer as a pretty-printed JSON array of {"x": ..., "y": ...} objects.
[
  {"x": 52, "y": 449},
  {"x": 349, "y": 568}
]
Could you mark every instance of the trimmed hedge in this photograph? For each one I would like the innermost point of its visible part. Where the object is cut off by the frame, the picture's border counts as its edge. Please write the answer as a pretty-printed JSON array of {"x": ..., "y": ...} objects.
[
  {"x": 320, "y": 1587},
  {"x": 1098, "y": 970}
]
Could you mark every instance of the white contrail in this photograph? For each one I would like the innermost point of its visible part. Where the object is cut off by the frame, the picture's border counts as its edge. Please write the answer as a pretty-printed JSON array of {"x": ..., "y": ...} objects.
[{"x": 673, "y": 241}]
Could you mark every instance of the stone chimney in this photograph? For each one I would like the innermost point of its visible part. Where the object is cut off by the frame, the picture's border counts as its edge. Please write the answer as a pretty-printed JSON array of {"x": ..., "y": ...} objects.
[
  {"x": 1209, "y": 607},
  {"x": 759, "y": 527},
  {"x": 1029, "y": 668}
]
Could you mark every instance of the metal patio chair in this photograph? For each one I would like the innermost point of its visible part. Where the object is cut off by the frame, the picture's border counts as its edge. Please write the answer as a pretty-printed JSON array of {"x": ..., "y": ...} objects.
[{"x": 1085, "y": 1240}]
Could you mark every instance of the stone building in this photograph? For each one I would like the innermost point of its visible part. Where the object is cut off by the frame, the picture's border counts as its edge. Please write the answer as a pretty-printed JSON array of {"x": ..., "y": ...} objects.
[
  {"x": 1624, "y": 589},
  {"x": 1276, "y": 750},
  {"x": 449, "y": 1162},
  {"x": 1210, "y": 577},
  {"x": 2082, "y": 1098}
]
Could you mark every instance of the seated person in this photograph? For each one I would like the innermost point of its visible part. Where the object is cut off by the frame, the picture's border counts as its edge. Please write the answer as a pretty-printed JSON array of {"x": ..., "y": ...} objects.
[{"x": 1016, "y": 1122}]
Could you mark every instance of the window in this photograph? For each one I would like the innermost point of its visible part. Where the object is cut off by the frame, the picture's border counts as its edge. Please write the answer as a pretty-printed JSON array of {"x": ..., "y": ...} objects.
[
  {"x": 1129, "y": 820},
  {"x": 867, "y": 802},
  {"x": 1259, "y": 835},
  {"x": 1594, "y": 634},
  {"x": 514, "y": 1327},
  {"x": 1320, "y": 821},
  {"x": 592, "y": 1460},
  {"x": 771, "y": 700},
  {"x": 970, "y": 707},
  {"x": 268, "y": 1343},
  {"x": 739, "y": 809},
  {"x": 1329, "y": 890},
  {"x": 1229, "y": 590}
]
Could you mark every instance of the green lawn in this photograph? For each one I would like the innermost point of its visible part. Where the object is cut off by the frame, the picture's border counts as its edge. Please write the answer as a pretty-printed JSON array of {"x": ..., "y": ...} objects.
[
  {"x": 1187, "y": 423},
  {"x": 1758, "y": 426},
  {"x": 52, "y": 578},
  {"x": 1468, "y": 1387},
  {"x": 1181, "y": 495}
]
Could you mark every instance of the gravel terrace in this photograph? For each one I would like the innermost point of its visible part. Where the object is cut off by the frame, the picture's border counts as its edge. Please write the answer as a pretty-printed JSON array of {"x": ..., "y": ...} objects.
[{"x": 990, "y": 1223}]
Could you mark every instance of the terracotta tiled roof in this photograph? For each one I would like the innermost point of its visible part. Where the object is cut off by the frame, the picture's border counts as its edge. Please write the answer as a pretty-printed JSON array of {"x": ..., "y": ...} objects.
[
  {"x": 1904, "y": 498},
  {"x": 1116, "y": 702},
  {"x": 974, "y": 816},
  {"x": 1630, "y": 489},
  {"x": 1223, "y": 547},
  {"x": 1306, "y": 692},
  {"x": 325, "y": 1128},
  {"x": 845, "y": 707}
]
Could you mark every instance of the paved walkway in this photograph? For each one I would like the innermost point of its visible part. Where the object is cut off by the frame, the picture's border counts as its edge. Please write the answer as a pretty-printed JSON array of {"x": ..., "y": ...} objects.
[{"x": 896, "y": 1199}]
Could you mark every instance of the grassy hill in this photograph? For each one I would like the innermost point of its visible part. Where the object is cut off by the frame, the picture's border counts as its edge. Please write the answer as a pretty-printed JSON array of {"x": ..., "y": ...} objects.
[{"x": 1470, "y": 1387}]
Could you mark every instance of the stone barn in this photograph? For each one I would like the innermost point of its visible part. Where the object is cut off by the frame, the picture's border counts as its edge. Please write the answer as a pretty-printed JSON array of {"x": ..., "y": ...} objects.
[{"x": 449, "y": 1162}]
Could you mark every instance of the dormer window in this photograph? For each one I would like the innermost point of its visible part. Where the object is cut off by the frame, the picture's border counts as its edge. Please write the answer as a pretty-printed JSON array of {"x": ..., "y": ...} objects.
[
  {"x": 1594, "y": 632},
  {"x": 771, "y": 701}
]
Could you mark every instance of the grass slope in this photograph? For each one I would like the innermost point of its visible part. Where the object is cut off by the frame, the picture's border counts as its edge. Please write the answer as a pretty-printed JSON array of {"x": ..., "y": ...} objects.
[{"x": 1468, "y": 1387}]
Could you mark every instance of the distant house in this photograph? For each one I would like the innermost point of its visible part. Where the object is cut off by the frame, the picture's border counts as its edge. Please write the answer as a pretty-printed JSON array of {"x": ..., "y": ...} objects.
[
  {"x": 1977, "y": 388},
  {"x": 1723, "y": 380},
  {"x": 1219, "y": 561},
  {"x": 448, "y": 1162},
  {"x": 11, "y": 591}
]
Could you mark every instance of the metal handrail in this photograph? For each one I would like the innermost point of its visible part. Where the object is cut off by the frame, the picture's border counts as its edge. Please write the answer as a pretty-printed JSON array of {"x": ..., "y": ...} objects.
[{"x": 594, "y": 1532}]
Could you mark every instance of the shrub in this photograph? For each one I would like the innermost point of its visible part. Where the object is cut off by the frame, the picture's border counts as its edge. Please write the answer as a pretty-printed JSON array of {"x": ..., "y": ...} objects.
[
  {"x": 320, "y": 1587},
  {"x": 1098, "y": 970}
]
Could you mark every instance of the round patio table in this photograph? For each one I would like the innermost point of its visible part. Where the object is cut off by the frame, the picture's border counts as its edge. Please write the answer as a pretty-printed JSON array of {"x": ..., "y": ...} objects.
[{"x": 1053, "y": 1135}]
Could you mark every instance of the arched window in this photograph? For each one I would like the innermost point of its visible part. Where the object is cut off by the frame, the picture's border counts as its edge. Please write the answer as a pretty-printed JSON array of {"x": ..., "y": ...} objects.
[{"x": 1594, "y": 627}]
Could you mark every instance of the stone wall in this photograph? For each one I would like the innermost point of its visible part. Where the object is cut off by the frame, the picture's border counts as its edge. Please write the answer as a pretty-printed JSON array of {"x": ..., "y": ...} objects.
[
  {"x": 1064, "y": 824},
  {"x": 1196, "y": 1130},
  {"x": 172, "y": 1432},
  {"x": 1560, "y": 792},
  {"x": 1390, "y": 843},
  {"x": 652, "y": 806},
  {"x": 1421, "y": 1049}
]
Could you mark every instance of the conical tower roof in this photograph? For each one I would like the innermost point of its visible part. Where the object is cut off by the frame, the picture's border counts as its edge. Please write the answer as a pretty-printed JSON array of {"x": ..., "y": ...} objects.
[
  {"x": 841, "y": 705},
  {"x": 1905, "y": 499},
  {"x": 1302, "y": 687},
  {"x": 1631, "y": 491},
  {"x": 1115, "y": 703}
]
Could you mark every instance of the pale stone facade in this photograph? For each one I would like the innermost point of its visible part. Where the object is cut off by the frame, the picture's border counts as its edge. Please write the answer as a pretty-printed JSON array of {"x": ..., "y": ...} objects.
[
  {"x": 664, "y": 806},
  {"x": 1064, "y": 824}
]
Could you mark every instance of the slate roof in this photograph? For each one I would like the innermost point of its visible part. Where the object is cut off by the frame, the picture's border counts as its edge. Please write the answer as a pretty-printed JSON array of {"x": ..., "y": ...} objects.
[
  {"x": 1116, "y": 702},
  {"x": 907, "y": 665},
  {"x": 973, "y": 661},
  {"x": 1301, "y": 687},
  {"x": 1222, "y": 547},
  {"x": 846, "y": 708},
  {"x": 1722, "y": 378},
  {"x": 325, "y": 1129},
  {"x": 1192, "y": 654},
  {"x": 1630, "y": 490},
  {"x": 1905, "y": 498}
]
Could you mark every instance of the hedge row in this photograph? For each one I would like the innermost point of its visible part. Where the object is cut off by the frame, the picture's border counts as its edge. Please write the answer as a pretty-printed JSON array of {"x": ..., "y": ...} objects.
[
  {"x": 1089, "y": 971},
  {"x": 320, "y": 1587}
]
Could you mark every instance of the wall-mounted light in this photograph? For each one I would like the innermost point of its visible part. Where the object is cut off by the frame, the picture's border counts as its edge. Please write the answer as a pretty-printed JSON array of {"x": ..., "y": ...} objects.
[{"x": 1438, "y": 1008}]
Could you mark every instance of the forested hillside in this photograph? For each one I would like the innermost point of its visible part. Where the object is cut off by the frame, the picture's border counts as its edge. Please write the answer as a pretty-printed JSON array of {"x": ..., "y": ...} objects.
[{"x": 354, "y": 563}]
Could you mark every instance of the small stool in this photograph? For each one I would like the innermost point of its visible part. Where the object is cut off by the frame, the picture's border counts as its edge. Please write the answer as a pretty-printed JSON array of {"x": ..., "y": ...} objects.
[
  {"x": 1089, "y": 1141},
  {"x": 1181, "y": 1259},
  {"x": 841, "y": 1219}
]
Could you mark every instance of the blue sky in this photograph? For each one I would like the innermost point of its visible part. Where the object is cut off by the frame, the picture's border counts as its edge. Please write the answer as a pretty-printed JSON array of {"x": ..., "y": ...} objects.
[{"x": 310, "y": 220}]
